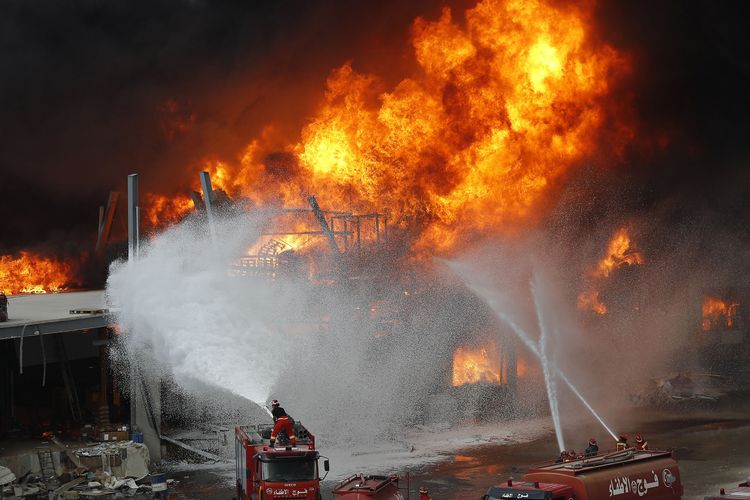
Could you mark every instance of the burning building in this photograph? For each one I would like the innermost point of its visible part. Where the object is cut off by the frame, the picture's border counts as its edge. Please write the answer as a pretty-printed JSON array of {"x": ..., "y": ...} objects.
[
  {"x": 422, "y": 131},
  {"x": 723, "y": 339}
]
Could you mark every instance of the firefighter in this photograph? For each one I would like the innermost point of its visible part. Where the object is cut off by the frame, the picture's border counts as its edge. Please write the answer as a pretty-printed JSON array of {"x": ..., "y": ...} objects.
[
  {"x": 424, "y": 494},
  {"x": 282, "y": 423},
  {"x": 640, "y": 443},
  {"x": 572, "y": 456},
  {"x": 276, "y": 409},
  {"x": 563, "y": 457},
  {"x": 622, "y": 442},
  {"x": 592, "y": 449}
]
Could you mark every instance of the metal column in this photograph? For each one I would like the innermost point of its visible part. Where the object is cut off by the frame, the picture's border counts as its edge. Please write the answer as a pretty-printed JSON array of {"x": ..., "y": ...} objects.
[
  {"x": 132, "y": 216},
  {"x": 145, "y": 407},
  {"x": 377, "y": 230},
  {"x": 208, "y": 194},
  {"x": 323, "y": 224},
  {"x": 106, "y": 218},
  {"x": 359, "y": 238}
]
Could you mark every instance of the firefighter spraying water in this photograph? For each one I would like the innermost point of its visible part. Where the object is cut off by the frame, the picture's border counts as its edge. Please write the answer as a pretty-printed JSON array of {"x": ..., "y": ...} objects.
[
  {"x": 282, "y": 422},
  {"x": 277, "y": 461}
]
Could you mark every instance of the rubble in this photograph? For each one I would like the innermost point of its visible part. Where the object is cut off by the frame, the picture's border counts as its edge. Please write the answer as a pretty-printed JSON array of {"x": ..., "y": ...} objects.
[
  {"x": 100, "y": 470},
  {"x": 685, "y": 388},
  {"x": 6, "y": 476}
]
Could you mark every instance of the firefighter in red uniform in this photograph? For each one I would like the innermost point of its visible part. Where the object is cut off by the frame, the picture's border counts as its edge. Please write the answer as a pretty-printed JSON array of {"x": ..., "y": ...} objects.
[
  {"x": 276, "y": 409},
  {"x": 424, "y": 494},
  {"x": 622, "y": 442},
  {"x": 640, "y": 443},
  {"x": 281, "y": 422}
]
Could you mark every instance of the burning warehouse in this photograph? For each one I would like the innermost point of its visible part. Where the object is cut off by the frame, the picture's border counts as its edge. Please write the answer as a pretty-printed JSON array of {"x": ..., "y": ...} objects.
[{"x": 387, "y": 215}]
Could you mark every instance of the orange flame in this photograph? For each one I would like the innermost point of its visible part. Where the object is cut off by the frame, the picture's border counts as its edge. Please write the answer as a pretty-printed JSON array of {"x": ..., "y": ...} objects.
[
  {"x": 32, "y": 273},
  {"x": 620, "y": 252},
  {"x": 590, "y": 301},
  {"x": 503, "y": 107},
  {"x": 476, "y": 365},
  {"x": 160, "y": 210},
  {"x": 522, "y": 367},
  {"x": 500, "y": 107},
  {"x": 718, "y": 313}
]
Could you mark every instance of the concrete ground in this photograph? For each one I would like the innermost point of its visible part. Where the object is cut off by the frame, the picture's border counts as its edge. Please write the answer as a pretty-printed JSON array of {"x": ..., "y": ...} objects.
[
  {"x": 712, "y": 453},
  {"x": 712, "y": 450},
  {"x": 711, "y": 447}
]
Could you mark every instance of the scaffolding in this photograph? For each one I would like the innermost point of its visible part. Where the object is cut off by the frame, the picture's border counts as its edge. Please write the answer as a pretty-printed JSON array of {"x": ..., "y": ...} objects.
[{"x": 346, "y": 234}]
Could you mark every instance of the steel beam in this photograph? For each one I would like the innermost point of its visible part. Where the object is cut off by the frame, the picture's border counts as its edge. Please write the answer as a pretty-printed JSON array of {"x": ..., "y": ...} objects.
[
  {"x": 132, "y": 216},
  {"x": 137, "y": 232},
  {"x": 323, "y": 224},
  {"x": 306, "y": 233},
  {"x": 106, "y": 218},
  {"x": 377, "y": 230},
  {"x": 49, "y": 327},
  {"x": 208, "y": 193}
]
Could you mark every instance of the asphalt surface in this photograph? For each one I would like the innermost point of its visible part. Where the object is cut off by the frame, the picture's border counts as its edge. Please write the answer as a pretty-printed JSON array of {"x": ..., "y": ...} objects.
[{"x": 712, "y": 449}]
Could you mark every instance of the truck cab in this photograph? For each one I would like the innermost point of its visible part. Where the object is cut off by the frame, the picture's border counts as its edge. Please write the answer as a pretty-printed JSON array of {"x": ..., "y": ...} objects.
[
  {"x": 628, "y": 474},
  {"x": 282, "y": 471}
]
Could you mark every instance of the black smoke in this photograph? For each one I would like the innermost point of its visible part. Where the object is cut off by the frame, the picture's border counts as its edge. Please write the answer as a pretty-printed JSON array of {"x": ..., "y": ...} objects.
[{"x": 91, "y": 91}]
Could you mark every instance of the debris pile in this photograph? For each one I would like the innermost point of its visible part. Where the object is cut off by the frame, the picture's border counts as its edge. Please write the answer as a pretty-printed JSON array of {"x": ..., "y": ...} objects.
[
  {"x": 695, "y": 389},
  {"x": 99, "y": 470}
]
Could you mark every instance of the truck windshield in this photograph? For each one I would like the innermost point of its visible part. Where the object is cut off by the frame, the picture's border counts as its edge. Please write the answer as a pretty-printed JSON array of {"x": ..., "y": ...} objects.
[{"x": 303, "y": 470}]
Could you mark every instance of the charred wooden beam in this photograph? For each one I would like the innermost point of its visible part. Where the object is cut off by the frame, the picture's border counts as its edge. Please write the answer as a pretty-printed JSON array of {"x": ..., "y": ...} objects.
[{"x": 323, "y": 224}]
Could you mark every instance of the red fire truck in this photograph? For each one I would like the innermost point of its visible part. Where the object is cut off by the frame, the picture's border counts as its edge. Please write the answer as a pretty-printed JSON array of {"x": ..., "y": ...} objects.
[
  {"x": 361, "y": 487},
  {"x": 264, "y": 472},
  {"x": 742, "y": 490},
  {"x": 629, "y": 474}
]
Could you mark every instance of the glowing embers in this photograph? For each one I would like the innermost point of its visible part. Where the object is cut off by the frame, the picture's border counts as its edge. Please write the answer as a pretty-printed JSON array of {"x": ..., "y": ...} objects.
[
  {"x": 719, "y": 314},
  {"x": 474, "y": 365},
  {"x": 34, "y": 273},
  {"x": 621, "y": 253}
]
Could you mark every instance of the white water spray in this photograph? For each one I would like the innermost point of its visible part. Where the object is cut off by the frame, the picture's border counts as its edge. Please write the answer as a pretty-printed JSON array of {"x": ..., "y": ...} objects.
[
  {"x": 548, "y": 381},
  {"x": 284, "y": 338},
  {"x": 586, "y": 404},
  {"x": 487, "y": 296},
  {"x": 193, "y": 322}
]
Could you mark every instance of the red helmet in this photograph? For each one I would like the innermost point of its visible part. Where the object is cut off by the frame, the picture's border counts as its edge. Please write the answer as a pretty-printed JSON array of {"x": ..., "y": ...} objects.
[
  {"x": 623, "y": 437},
  {"x": 592, "y": 441},
  {"x": 422, "y": 489},
  {"x": 564, "y": 453},
  {"x": 572, "y": 452},
  {"x": 638, "y": 438},
  {"x": 275, "y": 402}
]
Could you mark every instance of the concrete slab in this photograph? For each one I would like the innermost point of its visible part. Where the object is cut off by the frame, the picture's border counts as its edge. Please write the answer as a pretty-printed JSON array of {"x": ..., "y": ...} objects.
[{"x": 48, "y": 313}]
